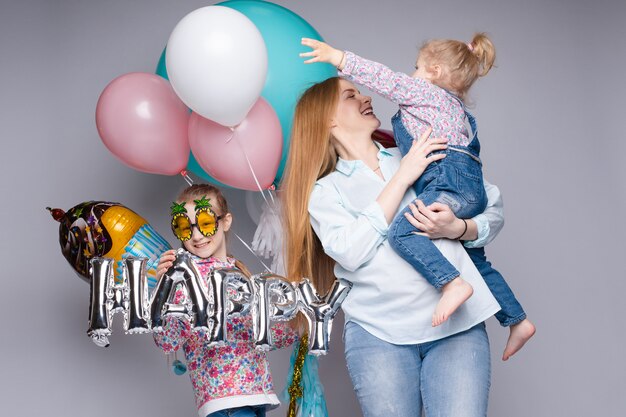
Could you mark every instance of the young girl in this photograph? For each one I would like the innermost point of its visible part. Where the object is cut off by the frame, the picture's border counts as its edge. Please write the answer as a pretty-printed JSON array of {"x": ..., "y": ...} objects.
[
  {"x": 233, "y": 379},
  {"x": 433, "y": 97}
]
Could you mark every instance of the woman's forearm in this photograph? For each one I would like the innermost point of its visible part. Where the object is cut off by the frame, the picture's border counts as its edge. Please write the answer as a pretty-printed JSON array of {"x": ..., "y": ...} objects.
[
  {"x": 412, "y": 166},
  {"x": 391, "y": 196}
]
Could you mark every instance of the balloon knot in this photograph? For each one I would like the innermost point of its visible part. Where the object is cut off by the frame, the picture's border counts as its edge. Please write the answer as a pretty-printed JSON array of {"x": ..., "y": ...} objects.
[{"x": 57, "y": 213}]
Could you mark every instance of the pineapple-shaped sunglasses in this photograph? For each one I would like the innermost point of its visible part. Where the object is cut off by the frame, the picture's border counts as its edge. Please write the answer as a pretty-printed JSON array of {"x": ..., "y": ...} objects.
[{"x": 206, "y": 220}]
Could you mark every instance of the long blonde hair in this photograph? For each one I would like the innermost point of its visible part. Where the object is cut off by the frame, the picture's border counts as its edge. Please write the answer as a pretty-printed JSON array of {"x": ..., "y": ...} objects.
[
  {"x": 197, "y": 191},
  {"x": 311, "y": 156},
  {"x": 462, "y": 63}
]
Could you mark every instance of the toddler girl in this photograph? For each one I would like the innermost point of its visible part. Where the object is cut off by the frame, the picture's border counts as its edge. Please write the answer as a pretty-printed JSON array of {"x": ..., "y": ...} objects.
[
  {"x": 233, "y": 379},
  {"x": 433, "y": 97}
]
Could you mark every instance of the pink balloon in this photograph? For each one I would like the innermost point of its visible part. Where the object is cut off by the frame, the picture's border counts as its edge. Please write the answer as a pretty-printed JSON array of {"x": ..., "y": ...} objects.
[
  {"x": 143, "y": 122},
  {"x": 222, "y": 152}
]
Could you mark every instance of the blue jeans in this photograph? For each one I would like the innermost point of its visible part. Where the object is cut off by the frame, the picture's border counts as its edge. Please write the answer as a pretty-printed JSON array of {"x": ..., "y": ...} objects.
[
  {"x": 449, "y": 377},
  {"x": 456, "y": 181},
  {"x": 247, "y": 411},
  {"x": 511, "y": 311}
]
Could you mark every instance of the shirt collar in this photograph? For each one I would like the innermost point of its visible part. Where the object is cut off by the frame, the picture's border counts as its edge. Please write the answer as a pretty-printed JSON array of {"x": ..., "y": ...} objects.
[{"x": 347, "y": 167}]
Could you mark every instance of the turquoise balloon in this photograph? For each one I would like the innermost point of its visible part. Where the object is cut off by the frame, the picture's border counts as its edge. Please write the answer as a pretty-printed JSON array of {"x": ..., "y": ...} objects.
[
  {"x": 161, "y": 70},
  {"x": 287, "y": 76},
  {"x": 192, "y": 165}
]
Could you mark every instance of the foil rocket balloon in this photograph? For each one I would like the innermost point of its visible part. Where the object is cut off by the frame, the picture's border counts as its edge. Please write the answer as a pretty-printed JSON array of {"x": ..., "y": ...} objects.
[{"x": 108, "y": 230}]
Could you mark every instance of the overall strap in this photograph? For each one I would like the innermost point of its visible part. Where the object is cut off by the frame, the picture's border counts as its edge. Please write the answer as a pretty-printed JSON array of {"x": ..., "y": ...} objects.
[{"x": 472, "y": 121}]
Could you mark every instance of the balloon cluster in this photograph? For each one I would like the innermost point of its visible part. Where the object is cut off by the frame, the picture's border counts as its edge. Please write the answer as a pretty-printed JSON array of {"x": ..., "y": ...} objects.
[
  {"x": 229, "y": 293},
  {"x": 236, "y": 66}
]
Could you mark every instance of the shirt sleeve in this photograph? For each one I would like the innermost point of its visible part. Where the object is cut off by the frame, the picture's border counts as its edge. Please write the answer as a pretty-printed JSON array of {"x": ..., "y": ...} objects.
[
  {"x": 350, "y": 240},
  {"x": 176, "y": 331},
  {"x": 394, "y": 86},
  {"x": 283, "y": 335},
  {"x": 491, "y": 221}
]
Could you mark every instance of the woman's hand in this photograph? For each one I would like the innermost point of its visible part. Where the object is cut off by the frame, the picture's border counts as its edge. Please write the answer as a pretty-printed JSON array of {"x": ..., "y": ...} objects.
[
  {"x": 414, "y": 163},
  {"x": 322, "y": 52},
  {"x": 439, "y": 221},
  {"x": 165, "y": 262},
  {"x": 411, "y": 167}
]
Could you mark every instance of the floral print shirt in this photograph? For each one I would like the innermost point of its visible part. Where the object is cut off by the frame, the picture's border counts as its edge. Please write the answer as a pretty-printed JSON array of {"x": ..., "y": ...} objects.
[
  {"x": 228, "y": 376},
  {"x": 422, "y": 103}
]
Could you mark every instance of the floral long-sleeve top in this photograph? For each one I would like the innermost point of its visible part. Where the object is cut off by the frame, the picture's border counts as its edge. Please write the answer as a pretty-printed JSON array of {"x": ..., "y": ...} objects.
[
  {"x": 422, "y": 103},
  {"x": 228, "y": 376}
]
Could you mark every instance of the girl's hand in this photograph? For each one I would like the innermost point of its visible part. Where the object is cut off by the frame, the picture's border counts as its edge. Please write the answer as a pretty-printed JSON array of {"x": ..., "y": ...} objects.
[
  {"x": 435, "y": 221},
  {"x": 165, "y": 262},
  {"x": 322, "y": 52},
  {"x": 416, "y": 160}
]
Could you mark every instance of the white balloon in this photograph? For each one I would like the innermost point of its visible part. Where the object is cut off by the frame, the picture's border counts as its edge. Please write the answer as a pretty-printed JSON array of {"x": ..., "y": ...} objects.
[{"x": 217, "y": 63}]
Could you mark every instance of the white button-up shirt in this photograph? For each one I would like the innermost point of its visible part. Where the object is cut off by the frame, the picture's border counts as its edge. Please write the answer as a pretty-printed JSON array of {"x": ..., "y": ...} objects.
[{"x": 389, "y": 298}]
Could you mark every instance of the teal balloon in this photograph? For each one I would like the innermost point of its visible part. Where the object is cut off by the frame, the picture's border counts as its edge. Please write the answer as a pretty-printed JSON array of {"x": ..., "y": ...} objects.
[
  {"x": 287, "y": 75},
  {"x": 161, "y": 70},
  {"x": 193, "y": 164}
]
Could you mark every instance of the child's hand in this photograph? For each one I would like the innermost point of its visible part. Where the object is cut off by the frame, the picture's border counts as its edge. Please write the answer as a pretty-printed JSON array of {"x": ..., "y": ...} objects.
[
  {"x": 165, "y": 262},
  {"x": 322, "y": 52}
]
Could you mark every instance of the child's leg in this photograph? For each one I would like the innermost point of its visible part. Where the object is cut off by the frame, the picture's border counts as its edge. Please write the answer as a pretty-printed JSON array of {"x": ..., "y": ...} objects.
[
  {"x": 424, "y": 256},
  {"x": 420, "y": 251},
  {"x": 457, "y": 182},
  {"x": 512, "y": 314}
]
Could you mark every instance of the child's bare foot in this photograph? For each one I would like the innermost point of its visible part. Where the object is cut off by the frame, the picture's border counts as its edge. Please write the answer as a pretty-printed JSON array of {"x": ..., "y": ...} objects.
[
  {"x": 520, "y": 334},
  {"x": 453, "y": 294}
]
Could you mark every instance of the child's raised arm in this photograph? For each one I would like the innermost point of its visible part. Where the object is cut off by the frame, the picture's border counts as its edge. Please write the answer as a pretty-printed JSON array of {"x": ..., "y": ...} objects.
[
  {"x": 398, "y": 87},
  {"x": 322, "y": 52}
]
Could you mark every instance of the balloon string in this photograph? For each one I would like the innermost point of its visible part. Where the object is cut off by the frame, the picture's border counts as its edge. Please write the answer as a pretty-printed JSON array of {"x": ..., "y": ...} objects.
[
  {"x": 186, "y": 177},
  {"x": 273, "y": 206},
  {"x": 255, "y": 255},
  {"x": 256, "y": 180},
  {"x": 232, "y": 133}
]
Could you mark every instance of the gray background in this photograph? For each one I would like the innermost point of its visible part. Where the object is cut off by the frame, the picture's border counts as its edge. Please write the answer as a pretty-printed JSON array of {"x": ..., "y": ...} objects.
[{"x": 551, "y": 118}]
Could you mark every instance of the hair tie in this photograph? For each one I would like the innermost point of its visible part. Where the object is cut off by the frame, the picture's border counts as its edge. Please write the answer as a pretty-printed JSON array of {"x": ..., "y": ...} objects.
[{"x": 470, "y": 46}]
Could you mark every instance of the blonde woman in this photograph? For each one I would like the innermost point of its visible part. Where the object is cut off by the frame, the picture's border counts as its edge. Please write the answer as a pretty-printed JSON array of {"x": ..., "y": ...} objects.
[
  {"x": 341, "y": 191},
  {"x": 434, "y": 95}
]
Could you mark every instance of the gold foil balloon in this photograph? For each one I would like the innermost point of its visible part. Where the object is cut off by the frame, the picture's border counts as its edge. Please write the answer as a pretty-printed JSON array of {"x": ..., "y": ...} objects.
[{"x": 107, "y": 230}]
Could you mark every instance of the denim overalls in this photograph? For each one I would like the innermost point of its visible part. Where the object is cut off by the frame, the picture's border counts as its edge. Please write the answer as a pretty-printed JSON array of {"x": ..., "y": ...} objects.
[{"x": 456, "y": 181}]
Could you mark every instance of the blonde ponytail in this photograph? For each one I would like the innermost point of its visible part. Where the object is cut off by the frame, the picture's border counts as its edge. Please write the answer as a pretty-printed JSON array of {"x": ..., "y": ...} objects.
[{"x": 483, "y": 49}]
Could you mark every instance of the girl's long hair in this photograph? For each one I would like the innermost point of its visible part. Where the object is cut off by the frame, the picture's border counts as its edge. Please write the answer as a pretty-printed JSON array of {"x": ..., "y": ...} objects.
[
  {"x": 311, "y": 156},
  {"x": 197, "y": 191},
  {"x": 462, "y": 62}
]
